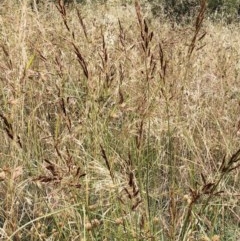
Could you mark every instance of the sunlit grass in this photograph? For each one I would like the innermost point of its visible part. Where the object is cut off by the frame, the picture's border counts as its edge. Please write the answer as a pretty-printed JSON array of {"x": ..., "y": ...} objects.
[{"x": 117, "y": 126}]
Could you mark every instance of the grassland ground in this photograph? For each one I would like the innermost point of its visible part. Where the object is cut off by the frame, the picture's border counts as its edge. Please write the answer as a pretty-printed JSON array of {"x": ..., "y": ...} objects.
[{"x": 115, "y": 125}]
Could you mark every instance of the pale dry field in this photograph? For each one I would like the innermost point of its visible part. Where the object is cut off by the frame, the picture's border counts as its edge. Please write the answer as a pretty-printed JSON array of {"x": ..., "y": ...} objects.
[{"x": 117, "y": 126}]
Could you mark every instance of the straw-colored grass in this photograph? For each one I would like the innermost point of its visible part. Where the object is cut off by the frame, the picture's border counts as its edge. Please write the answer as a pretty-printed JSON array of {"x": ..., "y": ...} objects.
[{"x": 117, "y": 126}]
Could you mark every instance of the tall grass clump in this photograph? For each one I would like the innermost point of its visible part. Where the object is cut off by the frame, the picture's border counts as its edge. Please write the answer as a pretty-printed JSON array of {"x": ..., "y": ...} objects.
[{"x": 115, "y": 125}]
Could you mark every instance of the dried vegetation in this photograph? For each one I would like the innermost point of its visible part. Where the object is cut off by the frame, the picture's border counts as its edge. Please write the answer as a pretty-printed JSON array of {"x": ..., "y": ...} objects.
[{"x": 117, "y": 126}]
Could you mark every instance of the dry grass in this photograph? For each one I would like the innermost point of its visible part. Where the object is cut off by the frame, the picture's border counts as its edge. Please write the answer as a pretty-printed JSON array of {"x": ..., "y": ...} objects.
[{"x": 117, "y": 126}]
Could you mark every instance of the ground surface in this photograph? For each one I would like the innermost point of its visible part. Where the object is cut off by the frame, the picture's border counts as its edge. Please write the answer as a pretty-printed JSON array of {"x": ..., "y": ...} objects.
[{"x": 117, "y": 126}]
